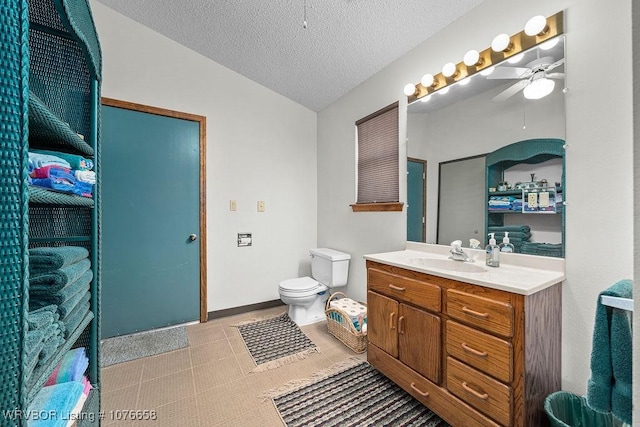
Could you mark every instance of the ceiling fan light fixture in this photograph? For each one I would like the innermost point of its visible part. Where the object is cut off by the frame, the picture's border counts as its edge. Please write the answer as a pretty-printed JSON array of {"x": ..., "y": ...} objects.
[
  {"x": 536, "y": 26},
  {"x": 428, "y": 80},
  {"x": 539, "y": 88},
  {"x": 471, "y": 58},
  {"x": 410, "y": 89},
  {"x": 501, "y": 43},
  {"x": 449, "y": 69}
]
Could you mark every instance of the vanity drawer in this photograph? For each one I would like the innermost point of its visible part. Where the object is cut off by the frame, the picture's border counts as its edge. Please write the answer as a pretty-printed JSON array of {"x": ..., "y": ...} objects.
[
  {"x": 482, "y": 351},
  {"x": 480, "y": 391},
  {"x": 420, "y": 293},
  {"x": 490, "y": 315}
]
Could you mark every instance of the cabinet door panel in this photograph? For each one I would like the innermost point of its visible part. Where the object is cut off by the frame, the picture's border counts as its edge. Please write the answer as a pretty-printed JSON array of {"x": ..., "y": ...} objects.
[
  {"x": 382, "y": 322},
  {"x": 419, "y": 341}
]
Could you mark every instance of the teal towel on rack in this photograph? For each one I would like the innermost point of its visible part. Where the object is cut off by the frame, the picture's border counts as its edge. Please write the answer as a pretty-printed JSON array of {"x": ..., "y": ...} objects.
[
  {"x": 55, "y": 280},
  {"x": 61, "y": 399},
  {"x": 84, "y": 298},
  {"x": 66, "y": 307},
  {"x": 52, "y": 308},
  {"x": 609, "y": 387},
  {"x": 65, "y": 293},
  {"x": 40, "y": 320},
  {"x": 74, "y": 319},
  {"x": 48, "y": 259}
]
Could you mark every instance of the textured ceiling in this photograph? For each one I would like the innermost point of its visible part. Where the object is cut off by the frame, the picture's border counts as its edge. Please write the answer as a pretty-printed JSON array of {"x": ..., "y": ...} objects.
[{"x": 345, "y": 42}]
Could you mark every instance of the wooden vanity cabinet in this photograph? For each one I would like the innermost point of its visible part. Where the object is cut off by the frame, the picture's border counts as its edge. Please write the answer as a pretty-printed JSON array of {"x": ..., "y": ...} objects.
[{"x": 476, "y": 356}]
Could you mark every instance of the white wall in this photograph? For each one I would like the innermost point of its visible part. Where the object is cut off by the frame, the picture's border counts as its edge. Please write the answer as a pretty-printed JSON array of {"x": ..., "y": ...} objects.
[
  {"x": 599, "y": 162},
  {"x": 478, "y": 126},
  {"x": 260, "y": 146}
]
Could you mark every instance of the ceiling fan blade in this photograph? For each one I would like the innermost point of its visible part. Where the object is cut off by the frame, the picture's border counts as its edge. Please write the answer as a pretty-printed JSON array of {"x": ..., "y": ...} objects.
[
  {"x": 556, "y": 64},
  {"x": 510, "y": 91},
  {"x": 508, "y": 73},
  {"x": 557, "y": 76}
]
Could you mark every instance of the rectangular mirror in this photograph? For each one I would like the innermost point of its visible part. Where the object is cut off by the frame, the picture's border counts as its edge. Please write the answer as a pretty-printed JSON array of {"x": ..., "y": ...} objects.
[{"x": 453, "y": 132}]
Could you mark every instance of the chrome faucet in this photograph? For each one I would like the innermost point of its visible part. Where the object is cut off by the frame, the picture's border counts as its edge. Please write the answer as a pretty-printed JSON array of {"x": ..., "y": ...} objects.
[{"x": 457, "y": 254}]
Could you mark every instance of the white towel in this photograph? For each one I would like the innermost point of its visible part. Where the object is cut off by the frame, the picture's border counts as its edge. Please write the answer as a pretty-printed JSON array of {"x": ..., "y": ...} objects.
[{"x": 86, "y": 176}]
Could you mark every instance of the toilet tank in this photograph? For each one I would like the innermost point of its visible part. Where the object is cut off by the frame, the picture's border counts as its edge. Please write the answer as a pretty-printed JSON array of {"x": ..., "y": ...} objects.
[{"x": 330, "y": 267}]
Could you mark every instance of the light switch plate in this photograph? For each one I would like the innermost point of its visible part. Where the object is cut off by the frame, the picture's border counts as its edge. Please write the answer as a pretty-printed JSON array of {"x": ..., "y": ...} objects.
[{"x": 260, "y": 205}]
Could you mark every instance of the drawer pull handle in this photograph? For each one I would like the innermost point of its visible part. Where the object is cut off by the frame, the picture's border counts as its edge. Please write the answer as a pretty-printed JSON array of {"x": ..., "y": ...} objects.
[
  {"x": 397, "y": 288},
  {"x": 475, "y": 313},
  {"x": 473, "y": 350},
  {"x": 391, "y": 322},
  {"x": 401, "y": 325},
  {"x": 420, "y": 392},
  {"x": 483, "y": 396}
]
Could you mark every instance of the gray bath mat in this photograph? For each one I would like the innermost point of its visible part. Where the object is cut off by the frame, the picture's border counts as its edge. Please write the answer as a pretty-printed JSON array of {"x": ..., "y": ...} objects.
[
  {"x": 356, "y": 396},
  {"x": 143, "y": 344},
  {"x": 274, "y": 342}
]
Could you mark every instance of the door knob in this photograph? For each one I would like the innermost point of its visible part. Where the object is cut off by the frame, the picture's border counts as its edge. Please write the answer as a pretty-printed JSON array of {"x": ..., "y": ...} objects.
[{"x": 192, "y": 237}]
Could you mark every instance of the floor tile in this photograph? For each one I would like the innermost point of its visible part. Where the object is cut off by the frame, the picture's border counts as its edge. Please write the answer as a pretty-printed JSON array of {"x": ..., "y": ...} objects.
[
  {"x": 216, "y": 373},
  {"x": 166, "y": 389},
  {"x": 121, "y": 375},
  {"x": 165, "y": 364},
  {"x": 202, "y": 336},
  {"x": 211, "y": 351}
]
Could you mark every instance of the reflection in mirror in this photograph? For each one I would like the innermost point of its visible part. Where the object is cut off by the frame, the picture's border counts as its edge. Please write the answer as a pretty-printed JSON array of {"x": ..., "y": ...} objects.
[{"x": 475, "y": 119}]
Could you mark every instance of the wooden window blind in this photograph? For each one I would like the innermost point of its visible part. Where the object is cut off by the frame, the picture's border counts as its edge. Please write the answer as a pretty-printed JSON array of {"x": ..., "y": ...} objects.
[{"x": 378, "y": 157}]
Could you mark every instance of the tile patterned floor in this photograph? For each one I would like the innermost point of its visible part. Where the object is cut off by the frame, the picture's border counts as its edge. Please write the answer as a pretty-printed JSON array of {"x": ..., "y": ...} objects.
[{"x": 209, "y": 383}]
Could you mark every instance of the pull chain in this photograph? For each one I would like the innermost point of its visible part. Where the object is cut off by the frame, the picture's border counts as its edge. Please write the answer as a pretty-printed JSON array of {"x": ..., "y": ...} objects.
[
  {"x": 524, "y": 113},
  {"x": 304, "y": 21}
]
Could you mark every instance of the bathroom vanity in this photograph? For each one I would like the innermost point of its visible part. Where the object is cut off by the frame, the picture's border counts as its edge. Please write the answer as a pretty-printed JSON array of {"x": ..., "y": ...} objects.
[{"x": 479, "y": 346}]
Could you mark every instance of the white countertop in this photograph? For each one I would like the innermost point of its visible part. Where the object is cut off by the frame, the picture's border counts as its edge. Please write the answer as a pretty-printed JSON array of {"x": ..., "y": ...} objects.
[{"x": 520, "y": 274}]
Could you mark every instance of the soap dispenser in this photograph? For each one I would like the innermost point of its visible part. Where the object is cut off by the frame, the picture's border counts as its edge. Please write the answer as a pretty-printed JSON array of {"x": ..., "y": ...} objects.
[
  {"x": 493, "y": 252},
  {"x": 506, "y": 246}
]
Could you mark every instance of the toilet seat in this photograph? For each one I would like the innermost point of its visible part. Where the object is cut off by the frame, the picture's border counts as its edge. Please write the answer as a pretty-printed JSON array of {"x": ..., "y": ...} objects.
[{"x": 300, "y": 285}]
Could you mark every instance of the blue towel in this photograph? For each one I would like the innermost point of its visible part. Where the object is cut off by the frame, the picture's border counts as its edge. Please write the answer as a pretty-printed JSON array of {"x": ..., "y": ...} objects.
[
  {"x": 46, "y": 259},
  {"x": 609, "y": 387},
  {"x": 37, "y": 160},
  {"x": 59, "y": 180},
  {"x": 61, "y": 399},
  {"x": 55, "y": 280}
]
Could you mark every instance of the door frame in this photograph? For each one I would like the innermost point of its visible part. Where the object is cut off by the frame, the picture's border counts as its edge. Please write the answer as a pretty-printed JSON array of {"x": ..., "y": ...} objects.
[
  {"x": 202, "y": 121},
  {"x": 424, "y": 194}
]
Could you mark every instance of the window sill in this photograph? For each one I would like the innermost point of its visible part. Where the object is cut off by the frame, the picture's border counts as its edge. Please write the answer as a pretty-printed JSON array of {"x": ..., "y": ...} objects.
[{"x": 377, "y": 207}]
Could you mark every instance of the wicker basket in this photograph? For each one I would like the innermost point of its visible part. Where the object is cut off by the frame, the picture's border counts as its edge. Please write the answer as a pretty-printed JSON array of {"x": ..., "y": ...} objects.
[{"x": 343, "y": 329}]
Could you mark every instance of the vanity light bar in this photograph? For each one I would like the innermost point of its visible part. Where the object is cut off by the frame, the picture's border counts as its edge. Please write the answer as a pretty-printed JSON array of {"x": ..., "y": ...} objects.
[{"x": 488, "y": 58}]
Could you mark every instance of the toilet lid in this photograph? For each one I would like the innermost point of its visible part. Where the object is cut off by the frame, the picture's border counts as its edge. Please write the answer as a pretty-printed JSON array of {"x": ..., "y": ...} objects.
[{"x": 300, "y": 284}]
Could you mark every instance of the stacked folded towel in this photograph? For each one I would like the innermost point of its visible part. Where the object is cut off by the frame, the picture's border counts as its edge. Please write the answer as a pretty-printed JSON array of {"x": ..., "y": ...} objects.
[
  {"x": 64, "y": 172},
  {"x": 71, "y": 368},
  {"x": 60, "y": 399},
  {"x": 542, "y": 249},
  {"x": 44, "y": 336},
  {"x": 60, "y": 277},
  {"x": 501, "y": 203}
]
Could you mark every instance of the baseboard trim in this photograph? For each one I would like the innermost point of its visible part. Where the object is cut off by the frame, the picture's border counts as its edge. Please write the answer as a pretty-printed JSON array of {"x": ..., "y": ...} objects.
[{"x": 243, "y": 309}]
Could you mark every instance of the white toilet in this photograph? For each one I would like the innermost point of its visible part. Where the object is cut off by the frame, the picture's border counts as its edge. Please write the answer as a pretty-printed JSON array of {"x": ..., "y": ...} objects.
[{"x": 307, "y": 296}]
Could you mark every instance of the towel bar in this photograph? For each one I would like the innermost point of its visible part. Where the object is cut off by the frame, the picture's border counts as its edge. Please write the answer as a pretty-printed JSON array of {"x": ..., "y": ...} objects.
[{"x": 623, "y": 303}]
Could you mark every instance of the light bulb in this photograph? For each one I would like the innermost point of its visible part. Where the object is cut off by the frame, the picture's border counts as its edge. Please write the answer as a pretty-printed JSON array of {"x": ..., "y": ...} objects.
[
  {"x": 539, "y": 88},
  {"x": 449, "y": 69},
  {"x": 500, "y": 43},
  {"x": 535, "y": 26},
  {"x": 516, "y": 58},
  {"x": 487, "y": 71},
  {"x": 410, "y": 89},
  {"x": 443, "y": 91},
  {"x": 427, "y": 80},
  {"x": 550, "y": 44},
  {"x": 471, "y": 58}
]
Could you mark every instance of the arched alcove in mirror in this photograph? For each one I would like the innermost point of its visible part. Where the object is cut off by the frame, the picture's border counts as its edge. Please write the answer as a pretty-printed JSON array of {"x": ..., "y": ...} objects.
[{"x": 454, "y": 131}]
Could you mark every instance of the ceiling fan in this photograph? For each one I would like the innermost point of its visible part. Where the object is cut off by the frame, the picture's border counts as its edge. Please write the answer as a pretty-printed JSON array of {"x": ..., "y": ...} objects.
[{"x": 536, "y": 80}]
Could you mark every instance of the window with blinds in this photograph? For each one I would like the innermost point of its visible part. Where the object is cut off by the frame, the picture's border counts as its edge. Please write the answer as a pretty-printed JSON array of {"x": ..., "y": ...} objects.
[{"x": 377, "y": 139}]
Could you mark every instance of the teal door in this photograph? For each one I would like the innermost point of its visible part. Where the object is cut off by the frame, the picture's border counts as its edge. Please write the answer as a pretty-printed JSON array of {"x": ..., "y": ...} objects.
[
  {"x": 416, "y": 188},
  {"x": 150, "y": 208}
]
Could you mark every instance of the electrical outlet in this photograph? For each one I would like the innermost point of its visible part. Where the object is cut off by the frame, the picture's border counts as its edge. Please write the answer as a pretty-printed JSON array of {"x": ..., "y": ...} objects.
[
  {"x": 260, "y": 205},
  {"x": 233, "y": 205}
]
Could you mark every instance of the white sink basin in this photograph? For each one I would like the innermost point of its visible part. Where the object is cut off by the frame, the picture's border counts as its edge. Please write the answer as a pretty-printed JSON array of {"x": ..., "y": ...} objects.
[{"x": 447, "y": 264}]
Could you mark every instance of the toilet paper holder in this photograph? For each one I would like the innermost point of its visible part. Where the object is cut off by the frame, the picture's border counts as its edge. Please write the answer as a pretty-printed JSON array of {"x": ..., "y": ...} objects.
[{"x": 244, "y": 239}]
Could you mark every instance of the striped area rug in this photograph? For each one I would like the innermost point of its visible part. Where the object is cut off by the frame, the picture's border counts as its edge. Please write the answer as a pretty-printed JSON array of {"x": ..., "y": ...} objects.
[
  {"x": 275, "y": 341},
  {"x": 355, "y": 396}
]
